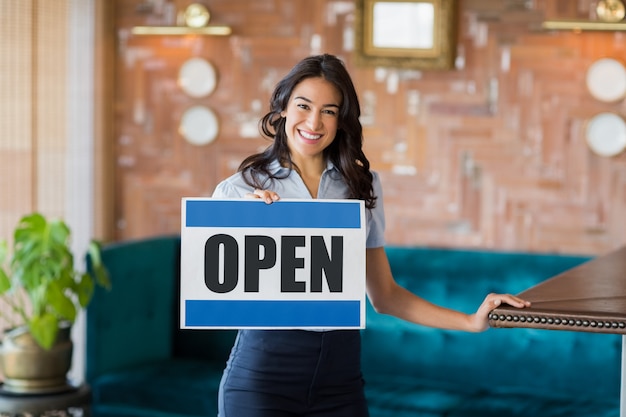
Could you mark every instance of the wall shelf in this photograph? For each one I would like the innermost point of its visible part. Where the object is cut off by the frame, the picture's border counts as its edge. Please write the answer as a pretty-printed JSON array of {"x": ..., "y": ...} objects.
[
  {"x": 582, "y": 25},
  {"x": 181, "y": 30}
]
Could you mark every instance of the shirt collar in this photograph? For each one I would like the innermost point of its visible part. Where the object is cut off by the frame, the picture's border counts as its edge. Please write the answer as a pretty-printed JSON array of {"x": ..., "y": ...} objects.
[{"x": 275, "y": 167}]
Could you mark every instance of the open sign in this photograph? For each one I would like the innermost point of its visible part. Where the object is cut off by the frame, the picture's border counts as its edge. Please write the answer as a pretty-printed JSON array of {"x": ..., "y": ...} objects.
[{"x": 290, "y": 264}]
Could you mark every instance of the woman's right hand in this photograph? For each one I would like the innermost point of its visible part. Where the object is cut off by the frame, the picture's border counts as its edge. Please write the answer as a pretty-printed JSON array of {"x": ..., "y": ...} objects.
[{"x": 266, "y": 195}]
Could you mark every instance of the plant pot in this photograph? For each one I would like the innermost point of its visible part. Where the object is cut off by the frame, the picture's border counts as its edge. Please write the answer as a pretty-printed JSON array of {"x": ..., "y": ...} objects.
[{"x": 28, "y": 368}]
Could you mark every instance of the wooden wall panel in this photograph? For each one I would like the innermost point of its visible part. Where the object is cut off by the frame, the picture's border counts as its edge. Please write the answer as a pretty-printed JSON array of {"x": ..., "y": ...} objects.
[{"x": 491, "y": 154}]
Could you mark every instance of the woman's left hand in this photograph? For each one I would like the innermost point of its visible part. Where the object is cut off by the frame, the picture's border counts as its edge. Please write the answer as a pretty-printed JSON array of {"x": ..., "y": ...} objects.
[{"x": 480, "y": 319}]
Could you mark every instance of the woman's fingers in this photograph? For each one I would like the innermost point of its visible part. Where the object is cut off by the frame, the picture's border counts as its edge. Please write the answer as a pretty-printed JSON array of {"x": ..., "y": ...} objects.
[
  {"x": 266, "y": 195},
  {"x": 480, "y": 320},
  {"x": 496, "y": 300}
]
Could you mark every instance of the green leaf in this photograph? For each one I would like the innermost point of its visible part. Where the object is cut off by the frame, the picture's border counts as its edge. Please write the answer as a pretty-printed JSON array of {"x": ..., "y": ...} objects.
[
  {"x": 60, "y": 303},
  {"x": 59, "y": 233},
  {"x": 37, "y": 299},
  {"x": 4, "y": 249},
  {"x": 5, "y": 282},
  {"x": 31, "y": 228},
  {"x": 99, "y": 271},
  {"x": 44, "y": 329},
  {"x": 84, "y": 289}
]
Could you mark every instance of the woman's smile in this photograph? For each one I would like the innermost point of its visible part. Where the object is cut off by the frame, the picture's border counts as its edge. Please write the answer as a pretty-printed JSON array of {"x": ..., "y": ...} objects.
[{"x": 309, "y": 136}]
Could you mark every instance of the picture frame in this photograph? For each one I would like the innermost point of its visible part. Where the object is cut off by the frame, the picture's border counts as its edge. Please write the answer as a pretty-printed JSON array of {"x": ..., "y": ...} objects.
[{"x": 418, "y": 34}]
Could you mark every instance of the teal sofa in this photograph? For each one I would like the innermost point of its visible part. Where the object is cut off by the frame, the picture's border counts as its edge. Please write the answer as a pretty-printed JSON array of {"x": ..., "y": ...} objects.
[{"x": 139, "y": 364}]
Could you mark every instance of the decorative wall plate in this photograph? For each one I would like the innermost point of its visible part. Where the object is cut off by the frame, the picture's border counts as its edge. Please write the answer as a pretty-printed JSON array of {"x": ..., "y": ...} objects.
[
  {"x": 199, "y": 125},
  {"x": 606, "y": 134},
  {"x": 197, "y": 77},
  {"x": 606, "y": 80}
]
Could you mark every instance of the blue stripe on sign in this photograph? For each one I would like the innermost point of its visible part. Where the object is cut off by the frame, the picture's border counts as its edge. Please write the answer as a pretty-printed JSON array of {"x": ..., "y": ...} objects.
[
  {"x": 295, "y": 214},
  {"x": 264, "y": 313}
]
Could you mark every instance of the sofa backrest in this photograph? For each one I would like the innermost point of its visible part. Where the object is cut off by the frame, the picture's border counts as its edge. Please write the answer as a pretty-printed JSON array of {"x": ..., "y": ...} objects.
[
  {"x": 137, "y": 321},
  {"x": 521, "y": 359},
  {"x": 132, "y": 322}
]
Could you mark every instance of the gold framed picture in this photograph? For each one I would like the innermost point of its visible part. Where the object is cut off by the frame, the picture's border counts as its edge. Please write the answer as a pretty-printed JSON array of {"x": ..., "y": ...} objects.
[{"x": 417, "y": 34}]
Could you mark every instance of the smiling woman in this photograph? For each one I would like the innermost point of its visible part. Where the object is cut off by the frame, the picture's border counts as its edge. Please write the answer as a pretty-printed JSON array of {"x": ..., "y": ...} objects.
[{"x": 317, "y": 153}]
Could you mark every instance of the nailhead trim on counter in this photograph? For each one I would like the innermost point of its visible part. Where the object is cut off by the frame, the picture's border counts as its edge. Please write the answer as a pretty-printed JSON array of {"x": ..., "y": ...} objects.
[{"x": 556, "y": 322}]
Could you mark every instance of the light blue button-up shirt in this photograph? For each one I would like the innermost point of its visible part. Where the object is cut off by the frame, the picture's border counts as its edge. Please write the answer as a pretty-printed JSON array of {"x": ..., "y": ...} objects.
[{"x": 331, "y": 186}]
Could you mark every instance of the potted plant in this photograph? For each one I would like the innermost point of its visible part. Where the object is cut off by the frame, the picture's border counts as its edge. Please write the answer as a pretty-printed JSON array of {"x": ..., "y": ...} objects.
[{"x": 44, "y": 290}]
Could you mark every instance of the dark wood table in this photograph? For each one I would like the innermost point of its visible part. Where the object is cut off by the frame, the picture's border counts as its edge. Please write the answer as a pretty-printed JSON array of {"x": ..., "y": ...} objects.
[
  {"x": 588, "y": 298},
  {"x": 74, "y": 401}
]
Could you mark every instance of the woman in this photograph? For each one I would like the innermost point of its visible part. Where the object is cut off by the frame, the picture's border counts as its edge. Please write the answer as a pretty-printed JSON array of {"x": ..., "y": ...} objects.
[{"x": 317, "y": 153}]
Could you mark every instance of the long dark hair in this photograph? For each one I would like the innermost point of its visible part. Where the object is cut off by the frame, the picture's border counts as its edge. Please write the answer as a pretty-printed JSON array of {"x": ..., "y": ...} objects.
[{"x": 345, "y": 152}]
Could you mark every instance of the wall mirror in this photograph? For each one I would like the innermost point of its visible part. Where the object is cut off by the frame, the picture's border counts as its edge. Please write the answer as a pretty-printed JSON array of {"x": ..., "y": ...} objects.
[{"x": 417, "y": 34}]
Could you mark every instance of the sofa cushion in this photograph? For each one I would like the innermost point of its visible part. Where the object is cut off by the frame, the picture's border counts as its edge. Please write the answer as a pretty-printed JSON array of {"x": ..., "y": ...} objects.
[
  {"x": 534, "y": 402},
  {"x": 410, "y": 397},
  {"x": 402, "y": 396},
  {"x": 176, "y": 387},
  {"x": 498, "y": 357}
]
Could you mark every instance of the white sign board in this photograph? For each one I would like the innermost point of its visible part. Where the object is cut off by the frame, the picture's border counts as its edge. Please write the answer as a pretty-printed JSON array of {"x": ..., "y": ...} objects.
[{"x": 293, "y": 264}]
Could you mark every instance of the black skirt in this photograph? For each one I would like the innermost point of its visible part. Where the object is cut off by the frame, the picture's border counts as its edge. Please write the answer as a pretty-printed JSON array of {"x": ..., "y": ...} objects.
[{"x": 288, "y": 373}]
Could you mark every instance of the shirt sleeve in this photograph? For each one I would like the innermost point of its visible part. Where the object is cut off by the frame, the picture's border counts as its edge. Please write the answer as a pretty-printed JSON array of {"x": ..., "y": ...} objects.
[
  {"x": 232, "y": 187},
  {"x": 376, "y": 218}
]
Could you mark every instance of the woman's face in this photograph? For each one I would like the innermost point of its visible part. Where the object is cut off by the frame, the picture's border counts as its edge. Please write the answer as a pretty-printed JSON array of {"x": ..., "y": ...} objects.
[{"x": 311, "y": 117}]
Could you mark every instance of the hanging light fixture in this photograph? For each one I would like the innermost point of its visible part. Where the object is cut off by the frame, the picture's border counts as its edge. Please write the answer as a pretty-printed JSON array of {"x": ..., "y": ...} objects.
[{"x": 195, "y": 17}]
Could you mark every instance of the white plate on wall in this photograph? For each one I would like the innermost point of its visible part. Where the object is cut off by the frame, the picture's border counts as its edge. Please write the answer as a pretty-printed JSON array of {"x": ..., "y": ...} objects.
[
  {"x": 199, "y": 125},
  {"x": 606, "y": 134},
  {"x": 606, "y": 80},
  {"x": 197, "y": 77}
]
